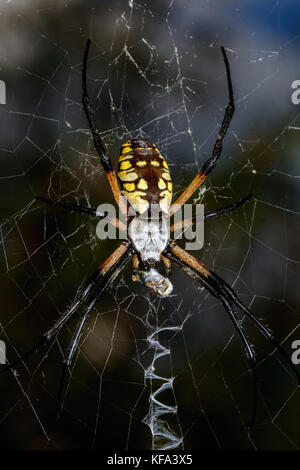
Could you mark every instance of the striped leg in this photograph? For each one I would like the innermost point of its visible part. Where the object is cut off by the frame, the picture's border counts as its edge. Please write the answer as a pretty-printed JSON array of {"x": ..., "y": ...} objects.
[
  {"x": 167, "y": 265},
  {"x": 220, "y": 289},
  {"x": 109, "y": 268}
]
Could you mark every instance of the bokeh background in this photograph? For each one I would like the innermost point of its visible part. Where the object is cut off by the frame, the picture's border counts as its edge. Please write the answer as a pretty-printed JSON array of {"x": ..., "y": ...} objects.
[{"x": 155, "y": 71}]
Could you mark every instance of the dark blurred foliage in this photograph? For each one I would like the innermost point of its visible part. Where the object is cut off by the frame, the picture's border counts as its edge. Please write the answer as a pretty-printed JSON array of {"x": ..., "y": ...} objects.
[{"x": 155, "y": 71}]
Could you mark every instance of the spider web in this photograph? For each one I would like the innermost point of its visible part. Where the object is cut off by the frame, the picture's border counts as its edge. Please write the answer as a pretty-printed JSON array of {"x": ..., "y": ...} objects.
[{"x": 149, "y": 373}]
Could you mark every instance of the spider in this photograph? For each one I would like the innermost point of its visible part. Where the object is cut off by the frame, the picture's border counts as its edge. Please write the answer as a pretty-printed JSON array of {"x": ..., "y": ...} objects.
[{"x": 143, "y": 180}]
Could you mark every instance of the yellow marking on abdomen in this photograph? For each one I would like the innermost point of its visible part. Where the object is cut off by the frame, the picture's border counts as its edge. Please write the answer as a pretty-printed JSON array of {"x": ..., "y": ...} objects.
[
  {"x": 126, "y": 157},
  {"x": 141, "y": 163},
  {"x": 125, "y": 165},
  {"x": 165, "y": 164},
  {"x": 154, "y": 163},
  {"x": 166, "y": 176},
  {"x": 161, "y": 184},
  {"x": 165, "y": 201},
  {"x": 165, "y": 193},
  {"x": 142, "y": 184},
  {"x": 127, "y": 143},
  {"x": 136, "y": 201},
  {"x": 129, "y": 186},
  {"x": 126, "y": 149},
  {"x": 164, "y": 204},
  {"x": 127, "y": 175},
  {"x": 170, "y": 187}
]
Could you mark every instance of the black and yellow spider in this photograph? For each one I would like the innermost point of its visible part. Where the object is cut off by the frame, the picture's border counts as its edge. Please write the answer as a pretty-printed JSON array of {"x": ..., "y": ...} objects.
[{"x": 144, "y": 180}]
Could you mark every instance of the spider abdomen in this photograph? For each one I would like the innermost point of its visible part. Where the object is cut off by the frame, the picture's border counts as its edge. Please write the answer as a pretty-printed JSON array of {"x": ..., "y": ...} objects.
[{"x": 144, "y": 176}]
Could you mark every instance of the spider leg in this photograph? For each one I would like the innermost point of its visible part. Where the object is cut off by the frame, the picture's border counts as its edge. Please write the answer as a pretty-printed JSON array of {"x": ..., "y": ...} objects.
[
  {"x": 135, "y": 268},
  {"x": 225, "y": 209},
  {"x": 231, "y": 295},
  {"x": 70, "y": 354},
  {"x": 220, "y": 289},
  {"x": 56, "y": 327},
  {"x": 83, "y": 210},
  {"x": 238, "y": 327},
  {"x": 110, "y": 264},
  {"x": 71, "y": 207},
  {"x": 196, "y": 269},
  {"x": 95, "y": 295},
  {"x": 217, "y": 150},
  {"x": 105, "y": 160},
  {"x": 167, "y": 265},
  {"x": 217, "y": 286},
  {"x": 209, "y": 215},
  {"x": 81, "y": 298}
]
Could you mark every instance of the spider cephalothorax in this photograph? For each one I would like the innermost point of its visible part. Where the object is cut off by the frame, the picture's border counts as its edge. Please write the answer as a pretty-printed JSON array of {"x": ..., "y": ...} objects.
[
  {"x": 144, "y": 181},
  {"x": 149, "y": 237}
]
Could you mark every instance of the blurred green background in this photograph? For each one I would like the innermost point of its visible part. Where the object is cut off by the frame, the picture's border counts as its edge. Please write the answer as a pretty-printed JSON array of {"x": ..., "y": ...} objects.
[{"x": 155, "y": 71}]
